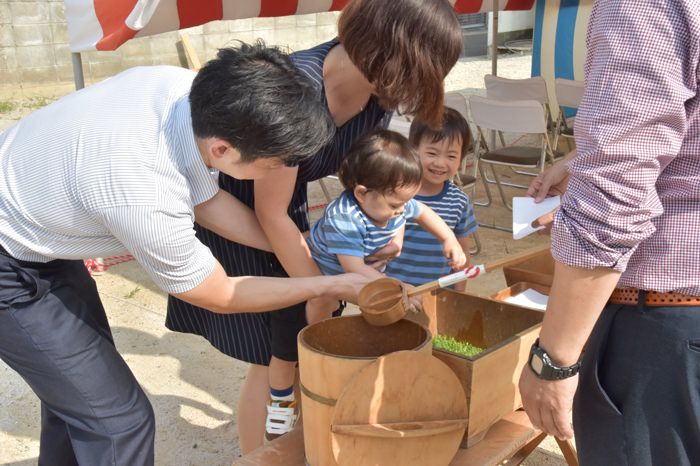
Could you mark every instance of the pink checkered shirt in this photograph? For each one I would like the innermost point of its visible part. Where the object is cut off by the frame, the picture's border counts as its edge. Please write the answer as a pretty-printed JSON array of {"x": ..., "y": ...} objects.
[{"x": 633, "y": 204}]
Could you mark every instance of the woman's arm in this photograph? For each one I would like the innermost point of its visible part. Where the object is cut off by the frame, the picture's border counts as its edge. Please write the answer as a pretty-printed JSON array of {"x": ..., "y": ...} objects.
[
  {"x": 273, "y": 193},
  {"x": 230, "y": 218}
]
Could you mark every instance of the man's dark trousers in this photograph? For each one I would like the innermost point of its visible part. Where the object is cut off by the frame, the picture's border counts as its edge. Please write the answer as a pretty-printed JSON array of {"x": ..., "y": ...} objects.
[
  {"x": 54, "y": 333},
  {"x": 638, "y": 401}
]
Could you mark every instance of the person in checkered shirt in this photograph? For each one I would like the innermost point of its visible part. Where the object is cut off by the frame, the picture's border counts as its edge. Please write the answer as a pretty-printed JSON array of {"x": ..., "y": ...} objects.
[{"x": 626, "y": 241}]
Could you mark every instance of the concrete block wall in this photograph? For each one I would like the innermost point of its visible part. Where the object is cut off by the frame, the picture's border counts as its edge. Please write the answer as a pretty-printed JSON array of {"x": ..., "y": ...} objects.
[{"x": 34, "y": 45}]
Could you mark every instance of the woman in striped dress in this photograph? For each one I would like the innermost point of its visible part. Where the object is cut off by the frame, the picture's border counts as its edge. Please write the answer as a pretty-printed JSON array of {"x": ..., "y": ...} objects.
[{"x": 387, "y": 55}]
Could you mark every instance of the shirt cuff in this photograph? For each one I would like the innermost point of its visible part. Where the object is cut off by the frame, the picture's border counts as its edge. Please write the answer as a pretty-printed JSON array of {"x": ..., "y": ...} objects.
[{"x": 574, "y": 246}]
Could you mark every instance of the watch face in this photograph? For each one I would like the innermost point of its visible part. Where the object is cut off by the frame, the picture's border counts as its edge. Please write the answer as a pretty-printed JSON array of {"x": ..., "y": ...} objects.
[{"x": 536, "y": 364}]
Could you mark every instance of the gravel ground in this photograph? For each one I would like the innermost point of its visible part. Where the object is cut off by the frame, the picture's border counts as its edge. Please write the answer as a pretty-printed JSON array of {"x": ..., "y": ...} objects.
[{"x": 193, "y": 388}]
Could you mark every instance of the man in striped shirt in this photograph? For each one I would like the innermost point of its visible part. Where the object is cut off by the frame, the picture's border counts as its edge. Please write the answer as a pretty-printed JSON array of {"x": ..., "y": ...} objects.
[
  {"x": 627, "y": 245},
  {"x": 125, "y": 166}
]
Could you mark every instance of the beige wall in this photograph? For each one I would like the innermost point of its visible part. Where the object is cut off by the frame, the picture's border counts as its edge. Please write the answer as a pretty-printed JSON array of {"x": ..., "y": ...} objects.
[{"x": 34, "y": 42}]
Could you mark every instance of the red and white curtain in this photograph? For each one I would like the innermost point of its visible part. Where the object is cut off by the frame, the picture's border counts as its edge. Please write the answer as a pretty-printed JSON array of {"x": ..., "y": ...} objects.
[{"x": 107, "y": 24}]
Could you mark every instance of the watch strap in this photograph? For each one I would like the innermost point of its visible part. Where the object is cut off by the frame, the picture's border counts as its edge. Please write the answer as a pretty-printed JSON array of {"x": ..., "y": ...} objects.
[{"x": 549, "y": 370}]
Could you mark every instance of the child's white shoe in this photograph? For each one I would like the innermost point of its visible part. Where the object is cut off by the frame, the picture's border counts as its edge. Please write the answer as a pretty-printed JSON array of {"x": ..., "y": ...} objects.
[{"x": 281, "y": 417}]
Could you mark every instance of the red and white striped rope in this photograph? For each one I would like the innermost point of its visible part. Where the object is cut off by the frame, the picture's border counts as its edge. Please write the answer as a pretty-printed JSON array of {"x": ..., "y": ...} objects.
[{"x": 92, "y": 265}]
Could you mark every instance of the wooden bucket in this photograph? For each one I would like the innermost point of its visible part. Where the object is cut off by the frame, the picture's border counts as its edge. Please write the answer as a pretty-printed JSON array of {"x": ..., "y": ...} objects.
[{"x": 331, "y": 352}]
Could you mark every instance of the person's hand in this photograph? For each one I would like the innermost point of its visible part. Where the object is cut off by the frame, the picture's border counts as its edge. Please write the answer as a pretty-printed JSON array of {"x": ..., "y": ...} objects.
[
  {"x": 454, "y": 254},
  {"x": 546, "y": 221},
  {"x": 551, "y": 182},
  {"x": 382, "y": 257},
  {"x": 461, "y": 286},
  {"x": 318, "y": 309},
  {"x": 346, "y": 286},
  {"x": 415, "y": 303},
  {"x": 548, "y": 403}
]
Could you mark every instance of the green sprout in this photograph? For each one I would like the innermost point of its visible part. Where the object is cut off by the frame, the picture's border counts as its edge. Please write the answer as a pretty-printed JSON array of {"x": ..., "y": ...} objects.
[{"x": 460, "y": 347}]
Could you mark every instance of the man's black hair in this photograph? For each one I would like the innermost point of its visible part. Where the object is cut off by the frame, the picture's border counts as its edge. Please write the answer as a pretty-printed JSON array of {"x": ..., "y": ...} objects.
[{"x": 255, "y": 98}]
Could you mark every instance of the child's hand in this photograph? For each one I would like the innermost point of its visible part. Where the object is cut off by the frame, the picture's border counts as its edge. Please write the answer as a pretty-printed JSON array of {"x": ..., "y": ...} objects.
[
  {"x": 460, "y": 286},
  {"x": 454, "y": 254},
  {"x": 379, "y": 259},
  {"x": 415, "y": 303}
]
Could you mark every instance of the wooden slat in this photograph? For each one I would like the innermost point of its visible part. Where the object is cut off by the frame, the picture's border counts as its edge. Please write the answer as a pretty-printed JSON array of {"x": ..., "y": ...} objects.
[
  {"x": 190, "y": 52},
  {"x": 287, "y": 450},
  {"x": 569, "y": 452},
  {"x": 503, "y": 440},
  {"x": 522, "y": 454},
  {"x": 506, "y": 439}
]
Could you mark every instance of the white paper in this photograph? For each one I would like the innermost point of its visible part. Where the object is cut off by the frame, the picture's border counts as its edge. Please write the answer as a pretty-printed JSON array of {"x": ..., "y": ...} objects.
[
  {"x": 529, "y": 298},
  {"x": 525, "y": 211}
]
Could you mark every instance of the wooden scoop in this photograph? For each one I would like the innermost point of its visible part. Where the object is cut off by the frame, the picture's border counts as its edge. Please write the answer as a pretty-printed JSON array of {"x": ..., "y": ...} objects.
[{"x": 385, "y": 301}]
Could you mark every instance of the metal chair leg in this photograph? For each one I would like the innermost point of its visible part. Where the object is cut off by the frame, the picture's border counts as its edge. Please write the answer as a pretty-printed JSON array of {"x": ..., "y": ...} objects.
[
  {"x": 477, "y": 244},
  {"x": 500, "y": 189},
  {"x": 505, "y": 202},
  {"x": 486, "y": 187},
  {"x": 496, "y": 227},
  {"x": 325, "y": 190},
  {"x": 507, "y": 183}
]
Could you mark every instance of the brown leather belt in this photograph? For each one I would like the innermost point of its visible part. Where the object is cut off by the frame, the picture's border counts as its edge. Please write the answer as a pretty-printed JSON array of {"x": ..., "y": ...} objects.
[{"x": 653, "y": 298}]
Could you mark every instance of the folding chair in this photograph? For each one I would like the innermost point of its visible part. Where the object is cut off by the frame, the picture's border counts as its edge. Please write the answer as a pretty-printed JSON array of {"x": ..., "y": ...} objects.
[
  {"x": 400, "y": 124},
  {"x": 465, "y": 181},
  {"x": 534, "y": 88},
  {"x": 569, "y": 94},
  {"x": 509, "y": 116}
]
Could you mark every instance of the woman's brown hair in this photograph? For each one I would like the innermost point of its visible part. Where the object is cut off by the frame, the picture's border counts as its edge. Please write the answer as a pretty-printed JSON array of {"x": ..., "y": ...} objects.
[
  {"x": 380, "y": 160},
  {"x": 405, "y": 48}
]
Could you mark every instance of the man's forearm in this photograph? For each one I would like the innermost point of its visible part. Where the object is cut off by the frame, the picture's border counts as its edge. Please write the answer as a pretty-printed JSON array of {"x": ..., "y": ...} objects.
[
  {"x": 576, "y": 299},
  {"x": 266, "y": 293},
  {"x": 227, "y": 295}
]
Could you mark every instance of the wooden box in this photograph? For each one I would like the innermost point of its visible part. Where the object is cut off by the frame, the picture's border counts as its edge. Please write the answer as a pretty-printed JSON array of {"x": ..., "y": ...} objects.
[
  {"x": 518, "y": 288},
  {"x": 490, "y": 379},
  {"x": 538, "y": 269}
]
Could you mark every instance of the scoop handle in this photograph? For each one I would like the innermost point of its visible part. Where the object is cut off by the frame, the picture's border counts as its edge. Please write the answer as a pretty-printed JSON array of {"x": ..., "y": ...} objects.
[
  {"x": 447, "y": 280},
  {"x": 519, "y": 257},
  {"x": 476, "y": 270}
]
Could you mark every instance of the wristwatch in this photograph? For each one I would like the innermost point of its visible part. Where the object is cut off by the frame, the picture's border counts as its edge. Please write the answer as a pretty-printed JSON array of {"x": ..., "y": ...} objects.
[{"x": 541, "y": 364}]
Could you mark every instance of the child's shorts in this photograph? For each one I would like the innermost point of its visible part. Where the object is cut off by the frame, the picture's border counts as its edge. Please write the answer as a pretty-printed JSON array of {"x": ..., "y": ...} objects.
[{"x": 285, "y": 325}]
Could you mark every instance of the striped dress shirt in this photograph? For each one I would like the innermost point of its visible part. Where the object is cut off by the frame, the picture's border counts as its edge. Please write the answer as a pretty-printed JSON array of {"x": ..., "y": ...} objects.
[
  {"x": 633, "y": 203},
  {"x": 112, "y": 168}
]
